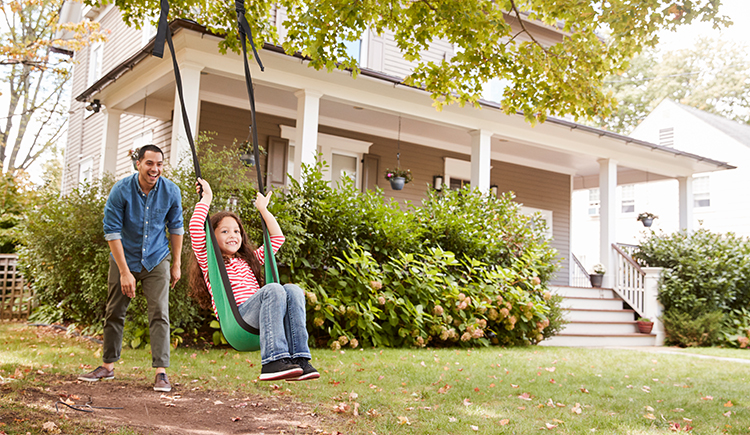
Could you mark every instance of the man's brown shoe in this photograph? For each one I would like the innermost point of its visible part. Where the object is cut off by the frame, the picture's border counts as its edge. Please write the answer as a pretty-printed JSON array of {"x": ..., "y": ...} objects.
[
  {"x": 162, "y": 383},
  {"x": 98, "y": 373}
]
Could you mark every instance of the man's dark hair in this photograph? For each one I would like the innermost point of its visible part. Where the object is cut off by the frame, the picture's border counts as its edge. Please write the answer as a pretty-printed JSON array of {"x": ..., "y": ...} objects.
[{"x": 151, "y": 147}]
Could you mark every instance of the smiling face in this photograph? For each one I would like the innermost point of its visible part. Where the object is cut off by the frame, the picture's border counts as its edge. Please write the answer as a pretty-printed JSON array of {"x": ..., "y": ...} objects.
[
  {"x": 229, "y": 236},
  {"x": 149, "y": 166}
]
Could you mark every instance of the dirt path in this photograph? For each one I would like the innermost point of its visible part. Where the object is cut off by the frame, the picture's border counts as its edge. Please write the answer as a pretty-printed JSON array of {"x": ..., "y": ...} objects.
[{"x": 185, "y": 410}]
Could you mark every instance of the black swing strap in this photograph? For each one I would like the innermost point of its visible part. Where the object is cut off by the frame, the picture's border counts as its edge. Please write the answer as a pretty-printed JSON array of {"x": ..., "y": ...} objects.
[{"x": 165, "y": 32}]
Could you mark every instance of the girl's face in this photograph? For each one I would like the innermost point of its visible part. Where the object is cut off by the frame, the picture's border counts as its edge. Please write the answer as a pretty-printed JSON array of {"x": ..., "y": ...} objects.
[{"x": 229, "y": 236}]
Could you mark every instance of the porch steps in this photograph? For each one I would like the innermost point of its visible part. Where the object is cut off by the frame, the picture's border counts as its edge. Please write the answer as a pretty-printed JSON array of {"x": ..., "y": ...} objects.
[{"x": 598, "y": 318}]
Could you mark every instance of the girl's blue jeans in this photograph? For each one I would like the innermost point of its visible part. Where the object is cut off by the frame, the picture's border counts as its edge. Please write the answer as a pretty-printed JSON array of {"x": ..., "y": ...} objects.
[{"x": 279, "y": 313}]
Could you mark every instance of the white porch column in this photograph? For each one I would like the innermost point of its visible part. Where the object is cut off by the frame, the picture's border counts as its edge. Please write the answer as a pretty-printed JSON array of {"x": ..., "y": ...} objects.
[
  {"x": 480, "y": 160},
  {"x": 653, "y": 307},
  {"x": 686, "y": 203},
  {"x": 306, "y": 143},
  {"x": 191, "y": 85},
  {"x": 607, "y": 215},
  {"x": 110, "y": 141}
]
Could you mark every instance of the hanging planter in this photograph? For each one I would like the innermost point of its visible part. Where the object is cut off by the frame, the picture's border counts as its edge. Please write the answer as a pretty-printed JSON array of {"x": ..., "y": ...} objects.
[
  {"x": 646, "y": 218},
  {"x": 133, "y": 155},
  {"x": 398, "y": 177}
]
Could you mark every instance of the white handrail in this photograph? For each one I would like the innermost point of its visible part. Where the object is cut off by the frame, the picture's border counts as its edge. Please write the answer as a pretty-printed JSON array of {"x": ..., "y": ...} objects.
[
  {"x": 630, "y": 281},
  {"x": 580, "y": 276}
]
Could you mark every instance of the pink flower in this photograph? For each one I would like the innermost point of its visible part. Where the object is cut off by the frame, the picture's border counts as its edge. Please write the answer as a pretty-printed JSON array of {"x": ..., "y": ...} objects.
[
  {"x": 438, "y": 310},
  {"x": 466, "y": 336}
]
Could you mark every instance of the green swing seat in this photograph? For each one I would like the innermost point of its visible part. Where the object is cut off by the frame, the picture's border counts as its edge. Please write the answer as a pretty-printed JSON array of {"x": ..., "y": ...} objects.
[{"x": 237, "y": 332}]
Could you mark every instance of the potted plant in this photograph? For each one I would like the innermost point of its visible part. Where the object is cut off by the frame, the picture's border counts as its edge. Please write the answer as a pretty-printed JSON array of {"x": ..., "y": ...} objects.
[
  {"x": 133, "y": 155},
  {"x": 398, "y": 177},
  {"x": 598, "y": 275},
  {"x": 644, "y": 325},
  {"x": 647, "y": 218}
]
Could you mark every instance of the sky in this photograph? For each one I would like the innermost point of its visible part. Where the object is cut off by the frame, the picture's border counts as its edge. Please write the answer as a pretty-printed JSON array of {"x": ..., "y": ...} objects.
[{"x": 737, "y": 10}]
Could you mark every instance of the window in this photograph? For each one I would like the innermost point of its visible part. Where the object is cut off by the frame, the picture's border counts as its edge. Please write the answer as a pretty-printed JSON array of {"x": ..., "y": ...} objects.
[
  {"x": 147, "y": 32},
  {"x": 701, "y": 192},
  {"x": 457, "y": 183},
  {"x": 628, "y": 198},
  {"x": 354, "y": 49},
  {"x": 546, "y": 216},
  {"x": 85, "y": 170},
  {"x": 95, "y": 62},
  {"x": 593, "y": 202},
  {"x": 343, "y": 155}
]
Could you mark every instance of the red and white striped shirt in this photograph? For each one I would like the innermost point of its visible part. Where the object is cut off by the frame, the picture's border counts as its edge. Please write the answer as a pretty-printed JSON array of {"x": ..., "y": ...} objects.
[{"x": 244, "y": 283}]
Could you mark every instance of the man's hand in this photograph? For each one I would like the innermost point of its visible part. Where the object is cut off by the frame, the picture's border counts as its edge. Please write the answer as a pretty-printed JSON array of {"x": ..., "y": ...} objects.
[
  {"x": 176, "y": 274},
  {"x": 127, "y": 284}
]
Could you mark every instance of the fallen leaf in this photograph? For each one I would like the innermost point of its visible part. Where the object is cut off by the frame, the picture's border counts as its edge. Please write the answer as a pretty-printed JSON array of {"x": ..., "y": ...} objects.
[
  {"x": 576, "y": 409},
  {"x": 649, "y": 416},
  {"x": 707, "y": 398},
  {"x": 404, "y": 421},
  {"x": 353, "y": 396},
  {"x": 452, "y": 419},
  {"x": 678, "y": 410},
  {"x": 649, "y": 409},
  {"x": 525, "y": 396},
  {"x": 584, "y": 390},
  {"x": 474, "y": 428},
  {"x": 466, "y": 402},
  {"x": 727, "y": 414},
  {"x": 550, "y": 369},
  {"x": 728, "y": 404},
  {"x": 504, "y": 421},
  {"x": 550, "y": 426},
  {"x": 236, "y": 418},
  {"x": 514, "y": 386}
]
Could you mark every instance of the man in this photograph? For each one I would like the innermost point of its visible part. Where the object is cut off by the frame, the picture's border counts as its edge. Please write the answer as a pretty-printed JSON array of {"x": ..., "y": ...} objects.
[{"x": 138, "y": 209}]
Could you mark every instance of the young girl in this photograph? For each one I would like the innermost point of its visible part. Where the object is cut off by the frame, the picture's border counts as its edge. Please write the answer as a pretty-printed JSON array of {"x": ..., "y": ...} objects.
[{"x": 277, "y": 311}]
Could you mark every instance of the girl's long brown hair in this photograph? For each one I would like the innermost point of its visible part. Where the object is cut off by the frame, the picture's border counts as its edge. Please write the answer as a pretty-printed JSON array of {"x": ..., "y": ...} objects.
[{"x": 198, "y": 288}]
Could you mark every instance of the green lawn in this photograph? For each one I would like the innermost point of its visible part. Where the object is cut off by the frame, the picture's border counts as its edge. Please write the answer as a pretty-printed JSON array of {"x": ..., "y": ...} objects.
[{"x": 451, "y": 391}]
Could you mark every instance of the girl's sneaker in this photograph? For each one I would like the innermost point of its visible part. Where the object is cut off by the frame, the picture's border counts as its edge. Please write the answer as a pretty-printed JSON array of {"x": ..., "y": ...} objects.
[
  {"x": 280, "y": 369},
  {"x": 308, "y": 371}
]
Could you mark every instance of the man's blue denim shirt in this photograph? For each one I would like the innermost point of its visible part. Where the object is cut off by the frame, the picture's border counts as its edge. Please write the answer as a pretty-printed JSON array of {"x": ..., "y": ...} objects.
[{"x": 139, "y": 219}]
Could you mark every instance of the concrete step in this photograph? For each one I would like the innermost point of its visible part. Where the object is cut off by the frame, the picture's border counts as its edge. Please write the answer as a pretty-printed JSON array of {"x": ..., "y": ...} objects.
[
  {"x": 600, "y": 328},
  {"x": 593, "y": 303},
  {"x": 584, "y": 340},
  {"x": 594, "y": 315},
  {"x": 584, "y": 292}
]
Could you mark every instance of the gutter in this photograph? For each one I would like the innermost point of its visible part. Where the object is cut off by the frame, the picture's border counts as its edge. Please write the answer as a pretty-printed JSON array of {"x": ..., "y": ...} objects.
[{"x": 179, "y": 24}]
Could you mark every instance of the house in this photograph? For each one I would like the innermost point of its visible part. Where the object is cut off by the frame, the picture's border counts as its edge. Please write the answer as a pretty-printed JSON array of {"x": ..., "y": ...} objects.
[
  {"x": 716, "y": 204},
  {"x": 124, "y": 97}
]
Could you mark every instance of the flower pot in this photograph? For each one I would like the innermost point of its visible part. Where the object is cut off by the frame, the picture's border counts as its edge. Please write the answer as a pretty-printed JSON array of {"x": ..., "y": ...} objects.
[
  {"x": 645, "y": 327},
  {"x": 596, "y": 280},
  {"x": 647, "y": 221},
  {"x": 397, "y": 183}
]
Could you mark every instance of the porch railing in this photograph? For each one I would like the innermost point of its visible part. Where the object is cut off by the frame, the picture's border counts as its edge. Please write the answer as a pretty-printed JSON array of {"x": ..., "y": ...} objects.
[
  {"x": 15, "y": 297},
  {"x": 631, "y": 250},
  {"x": 580, "y": 276},
  {"x": 629, "y": 280}
]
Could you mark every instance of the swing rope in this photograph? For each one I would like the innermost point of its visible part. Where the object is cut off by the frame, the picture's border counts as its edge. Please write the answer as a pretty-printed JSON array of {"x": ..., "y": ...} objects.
[{"x": 237, "y": 332}]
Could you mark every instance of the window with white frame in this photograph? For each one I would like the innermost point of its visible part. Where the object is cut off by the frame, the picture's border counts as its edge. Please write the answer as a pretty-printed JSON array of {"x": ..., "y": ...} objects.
[
  {"x": 96, "y": 55},
  {"x": 343, "y": 156},
  {"x": 593, "y": 209},
  {"x": 627, "y": 198},
  {"x": 85, "y": 170},
  {"x": 457, "y": 173},
  {"x": 546, "y": 217},
  {"x": 147, "y": 32},
  {"x": 701, "y": 192}
]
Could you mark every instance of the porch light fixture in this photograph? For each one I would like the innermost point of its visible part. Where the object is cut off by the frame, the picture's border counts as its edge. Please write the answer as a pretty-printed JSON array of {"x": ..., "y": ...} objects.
[
  {"x": 493, "y": 190},
  {"x": 94, "y": 106},
  {"x": 437, "y": 182}
]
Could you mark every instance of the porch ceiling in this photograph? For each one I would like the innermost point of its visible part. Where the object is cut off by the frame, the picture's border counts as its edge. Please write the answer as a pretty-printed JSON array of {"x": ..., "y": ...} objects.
[{"x": 373, "y": 105}]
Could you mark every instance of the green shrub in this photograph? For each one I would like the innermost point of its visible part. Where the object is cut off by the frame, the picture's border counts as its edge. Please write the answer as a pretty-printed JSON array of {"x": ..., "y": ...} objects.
[
  {"x": 65, "y": 258},
  {"x": 704, "y": 271},
  {"x": 415, "y": 300},
  {"x": 684, "y": 330},
  {"x": 735, "y": 329}
]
